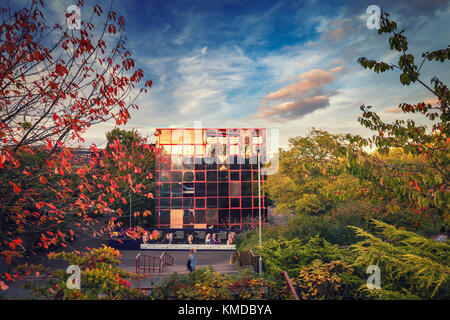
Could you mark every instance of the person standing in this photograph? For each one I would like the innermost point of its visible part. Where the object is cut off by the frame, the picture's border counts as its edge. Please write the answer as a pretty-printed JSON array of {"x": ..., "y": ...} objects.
[
  {"x": 145, "y": 237},
  {"x": 191, "y": 260},
  {"x": 190, "y": 239},
  {"x": 215, "y": 239},
  {"x": 231, "y": 237}
]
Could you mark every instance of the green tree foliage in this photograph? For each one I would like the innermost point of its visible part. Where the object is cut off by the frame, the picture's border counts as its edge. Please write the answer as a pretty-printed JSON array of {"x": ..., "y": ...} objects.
[
  {"x": 311, "y": 177},
  {"x": 410, "y": 264},
  {"x": 421, "y": 177},
  {"x": 319, "y": 281},
  {"x": 326, "y": 182},
  {"x": 101, "y": 277},
  {"x": 291, "y": 255}
]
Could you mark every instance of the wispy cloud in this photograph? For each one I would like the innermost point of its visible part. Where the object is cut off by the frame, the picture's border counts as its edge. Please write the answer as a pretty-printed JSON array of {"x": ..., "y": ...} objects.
[
  {"x": 301, "y": 97},
  {"x": 289, "y": 64}
]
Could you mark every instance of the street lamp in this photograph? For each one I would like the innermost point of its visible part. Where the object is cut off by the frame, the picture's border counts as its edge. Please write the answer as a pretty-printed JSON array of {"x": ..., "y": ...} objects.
[
  {"x": 259, "y": 208},
  {"x": 130, "y": 210}
]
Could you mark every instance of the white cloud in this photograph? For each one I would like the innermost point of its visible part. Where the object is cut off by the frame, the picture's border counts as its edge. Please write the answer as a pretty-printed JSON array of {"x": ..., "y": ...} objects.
[{"x": 223, "y": 85}]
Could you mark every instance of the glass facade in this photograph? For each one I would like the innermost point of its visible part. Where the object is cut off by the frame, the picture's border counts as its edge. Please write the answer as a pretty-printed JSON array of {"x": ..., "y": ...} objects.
[{"x": 208, "y": 178}]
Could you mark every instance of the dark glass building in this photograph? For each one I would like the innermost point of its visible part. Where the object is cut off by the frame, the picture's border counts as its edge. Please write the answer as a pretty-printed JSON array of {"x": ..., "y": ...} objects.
[{"x": 208, "y": 178}]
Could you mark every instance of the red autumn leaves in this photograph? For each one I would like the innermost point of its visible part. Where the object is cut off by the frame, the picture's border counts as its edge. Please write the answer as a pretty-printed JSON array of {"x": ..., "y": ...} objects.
[{"x": 52, "y": 92}]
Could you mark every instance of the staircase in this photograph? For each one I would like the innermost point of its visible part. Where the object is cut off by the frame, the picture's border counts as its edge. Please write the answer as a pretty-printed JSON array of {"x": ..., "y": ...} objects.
[{"x": 150, "y": 265}]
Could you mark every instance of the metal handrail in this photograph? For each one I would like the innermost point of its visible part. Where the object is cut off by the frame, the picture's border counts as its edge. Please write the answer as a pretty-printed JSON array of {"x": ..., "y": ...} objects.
[
  {"x": 138, "y": 263},
  {"x": 247, "y": 258},
  {"x": 290, "y": 287},
  {"x": 152, "y": 264},
  {"x": 166, "y": 259}
]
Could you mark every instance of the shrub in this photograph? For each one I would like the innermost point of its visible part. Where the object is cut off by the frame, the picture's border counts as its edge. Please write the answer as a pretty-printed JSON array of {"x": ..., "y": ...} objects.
[
  {"x": 101, "y": 277},
  {"x": 319, "y": 281},
  {"x": 291, "y": 255},
  {"x": 206, "y": 284},
  {"x": 409, "y": 263}
]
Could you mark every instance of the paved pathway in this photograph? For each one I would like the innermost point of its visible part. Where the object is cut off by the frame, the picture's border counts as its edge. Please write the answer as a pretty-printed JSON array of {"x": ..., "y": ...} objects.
[{"x": 219, "y": 260}]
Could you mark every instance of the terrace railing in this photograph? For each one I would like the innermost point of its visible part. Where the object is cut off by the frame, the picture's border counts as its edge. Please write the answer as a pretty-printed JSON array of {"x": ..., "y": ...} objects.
[
  {"x": 290, "y": 287},
  {"x": 247, "y": 258},
  {"x": 150, "y": 265}
]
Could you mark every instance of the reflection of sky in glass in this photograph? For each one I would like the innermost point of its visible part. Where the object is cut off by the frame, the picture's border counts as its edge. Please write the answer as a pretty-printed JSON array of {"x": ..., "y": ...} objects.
[
  {"x": 176, "y": 162},
  {"x": 188, "y": 150},
  {"x": 177, "y": 149},
  {"x": 210, "y": 141}
]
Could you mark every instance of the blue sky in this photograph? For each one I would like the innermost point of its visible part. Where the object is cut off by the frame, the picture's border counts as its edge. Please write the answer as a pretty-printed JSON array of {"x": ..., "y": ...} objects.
[{"x": 288, "y": 65}]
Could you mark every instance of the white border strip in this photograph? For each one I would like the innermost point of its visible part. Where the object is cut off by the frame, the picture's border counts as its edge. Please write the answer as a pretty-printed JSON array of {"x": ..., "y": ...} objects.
[{"x": 149, "y": 246}]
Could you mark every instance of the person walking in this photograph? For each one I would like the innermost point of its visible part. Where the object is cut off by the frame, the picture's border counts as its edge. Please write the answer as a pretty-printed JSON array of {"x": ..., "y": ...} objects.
[{"x": 191, "y": 260}]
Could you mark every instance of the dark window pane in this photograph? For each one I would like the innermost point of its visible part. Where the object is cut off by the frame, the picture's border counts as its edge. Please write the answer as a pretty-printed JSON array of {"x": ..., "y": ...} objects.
[
  {"x": 246, "y": 202},
  {"x": 164, "y": 203},
  {"x": 200, "y": 190},
  {"x": 224, "y": 203},
  {"x": 224, "y": 217},
  {"x": 256, "y": 215},
  {"x": 247, "y": 215},
  {"x": 223, "y": 175},
  {"x": 235, "y": 213},
  {"x": 211, "y": 163},
  {"x": 235, "y": 216},
  {"x": 164, "y": 190},
  {"x": 176, "y": 189},
  {"x": 234, "y": 176},
  {"x": 246, "y": 175},
  {"x": 199, "y": 203},
  {"x": 246, "y": 189},
  {"x": 255, "y": 202},
  {"x": 235, "y": 202},
  {"x": 211, "y": 189},
  {"x": 255, "y": 189},
  {"x": 200, "y": 216},
  {"x": 188, "y": 217},
  {"x": 188, "y": 176},
  {"x": 188, "y": 203},
  {"x": 177, "y": 203},
  {"x": 177, "y": 176},
  {"x": 211, "y": 176},
  {"x": 164, "y": 217},
  {"x": 223, "y": 189},
  {"x": 211, "y": 202},
  {"x": 200, "y": 176},
  {"x": 211, "y": 217}
]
